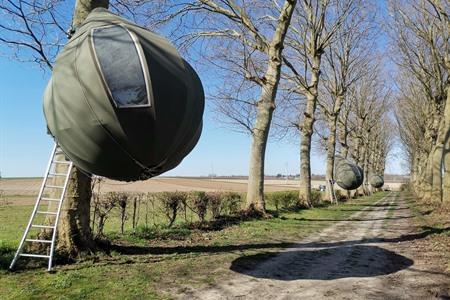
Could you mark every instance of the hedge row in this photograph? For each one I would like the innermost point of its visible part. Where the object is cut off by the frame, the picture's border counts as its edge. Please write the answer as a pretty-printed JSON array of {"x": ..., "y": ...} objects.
[{"x": 166, "y": 207}]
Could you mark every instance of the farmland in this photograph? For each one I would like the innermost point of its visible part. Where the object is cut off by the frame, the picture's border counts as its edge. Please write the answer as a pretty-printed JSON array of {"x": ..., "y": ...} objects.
[
  {"x": 23, "y": 190},
  {"x": 188, "y": 263}
]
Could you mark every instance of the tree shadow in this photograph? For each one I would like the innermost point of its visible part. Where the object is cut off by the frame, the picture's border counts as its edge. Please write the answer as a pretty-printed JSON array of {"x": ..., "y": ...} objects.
[
  {"x": 142, "y": 250},
  {"x": 6, "y": 256},
  {"x": 377, "y": 209},
  {"x": 145, "y": 250},
  {"x": 323, "y": 264},
  {"x": 354, "y": 219},
  {"x": 373, "y": 205}
]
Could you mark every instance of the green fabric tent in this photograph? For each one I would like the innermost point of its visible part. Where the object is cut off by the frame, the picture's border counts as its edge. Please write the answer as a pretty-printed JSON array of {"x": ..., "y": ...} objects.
[
  {"x": 376, "y": 181},
  {"x": 121, "y": 102},
  {"x": 348, "y": 175}
]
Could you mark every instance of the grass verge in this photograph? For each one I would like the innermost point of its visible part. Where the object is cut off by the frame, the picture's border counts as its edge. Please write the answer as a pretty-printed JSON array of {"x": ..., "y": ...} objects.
[{"x": 147, "y": 266}]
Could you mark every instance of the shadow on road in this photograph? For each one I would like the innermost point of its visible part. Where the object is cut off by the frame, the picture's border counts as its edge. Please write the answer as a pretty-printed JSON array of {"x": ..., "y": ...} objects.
[
  {"x": 354, "y": 219},
  {"x": 143, "y": 250},
  {"x": 362, "y": 261}
]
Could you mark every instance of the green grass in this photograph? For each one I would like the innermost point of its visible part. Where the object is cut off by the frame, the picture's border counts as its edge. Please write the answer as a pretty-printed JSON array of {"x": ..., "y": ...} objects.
[{"x": 165, "y": 262}]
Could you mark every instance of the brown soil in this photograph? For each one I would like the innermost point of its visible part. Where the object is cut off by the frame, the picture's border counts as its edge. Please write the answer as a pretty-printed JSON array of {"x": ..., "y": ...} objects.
[
  {"x": 375, "y": 255},
  {"x": 22, "y": 191}
]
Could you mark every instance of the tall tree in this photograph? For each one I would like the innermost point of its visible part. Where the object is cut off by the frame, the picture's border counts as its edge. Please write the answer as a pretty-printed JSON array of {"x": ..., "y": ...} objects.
[
  {"x": 34, "y": 31},
  {"x": 245, "y": 42},
  {"x": 421, "y": 36},
  {"x": 314, "y": 25},
  {"x": 346, "y": 60},
  {"x": 369, "y": 105}
]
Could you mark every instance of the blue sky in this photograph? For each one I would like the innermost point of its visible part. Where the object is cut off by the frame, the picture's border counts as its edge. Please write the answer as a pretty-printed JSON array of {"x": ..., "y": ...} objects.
[{"x": 25, "y": 146}]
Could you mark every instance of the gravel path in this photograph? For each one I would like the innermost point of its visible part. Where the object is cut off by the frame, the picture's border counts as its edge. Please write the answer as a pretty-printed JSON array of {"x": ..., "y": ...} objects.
[{"x": 368, "y": 256}]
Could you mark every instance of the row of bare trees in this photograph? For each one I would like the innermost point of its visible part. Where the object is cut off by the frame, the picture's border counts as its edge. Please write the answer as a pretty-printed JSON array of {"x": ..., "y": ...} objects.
[
  {"x": 309, "y": 65},
  {"x": 420, "y": 35},
  {"x": 311, "y": 60}
]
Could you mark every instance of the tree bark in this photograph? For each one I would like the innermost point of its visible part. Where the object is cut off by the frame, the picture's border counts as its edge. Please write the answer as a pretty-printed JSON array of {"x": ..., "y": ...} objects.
[
  {"x": 428, "y": 177},
  {"x": 255, "y": 188},
  {"x": 306, "y": 132},
  {"x": 331, "y": 150},
  {"x": 83, "y": 8},
  {"x": 446, "y": 150},
  {"x": 437, "y": 162},
  {"x": 436, "y": 192},
  {"x": 266, "y": 105},
  {"x": 74, "y": 231},
  {"x": 331, "y": 145}
]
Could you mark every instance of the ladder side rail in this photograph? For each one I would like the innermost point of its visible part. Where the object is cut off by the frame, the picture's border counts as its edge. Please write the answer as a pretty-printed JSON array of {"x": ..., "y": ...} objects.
[
  {"x": 58, "y": 214},
  {"x": 36, "y": 205}
]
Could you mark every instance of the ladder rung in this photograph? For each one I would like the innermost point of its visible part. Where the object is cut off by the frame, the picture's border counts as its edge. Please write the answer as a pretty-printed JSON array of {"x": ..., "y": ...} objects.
[
  {"x": 39, "y": 241},
  {"x": 57, "y": 174},
  {"x": 34, "y": 255},
  {"x": 54, "y": 186},
  {"x": 50, "y": 199},
  {"x": 46, "y": 212},
  {"x": 62, "y": 162},
  {"x": 43, "y": 226}
]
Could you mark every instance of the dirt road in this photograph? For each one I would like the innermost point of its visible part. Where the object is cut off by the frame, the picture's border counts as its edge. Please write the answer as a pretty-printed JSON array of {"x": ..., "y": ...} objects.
[{"x": 370, "y": 256}]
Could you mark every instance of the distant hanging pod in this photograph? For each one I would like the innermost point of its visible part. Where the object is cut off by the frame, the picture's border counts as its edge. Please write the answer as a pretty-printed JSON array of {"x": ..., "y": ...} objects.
[
  {"x": 121, "y": 102},
  {"x": 376, "y": 181},
  {"x": 348, "y": 175}
]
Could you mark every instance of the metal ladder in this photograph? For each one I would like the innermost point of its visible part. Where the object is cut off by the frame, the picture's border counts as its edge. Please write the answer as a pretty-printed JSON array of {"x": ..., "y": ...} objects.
[
  {"x": 52, "y": 172},
  {"x": 332, "y": 192}
]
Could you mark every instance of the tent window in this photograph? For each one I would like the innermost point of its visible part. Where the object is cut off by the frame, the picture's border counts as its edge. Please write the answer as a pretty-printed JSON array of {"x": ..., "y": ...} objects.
[{"x": 120, "y": 61}]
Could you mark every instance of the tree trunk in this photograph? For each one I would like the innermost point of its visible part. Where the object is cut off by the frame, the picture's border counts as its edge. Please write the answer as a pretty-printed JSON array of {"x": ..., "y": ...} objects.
[
  {"x": 366, "y": 168},
  {"x": 446, "y": 150},
  {"x": 437, "y": 162},
  {"x": 331, "y": 149},
  {"x": 343, "y": 138},
  {"x": 266, "y": 105},
  {"x": 306, "y": 132},
  {"x": 331, "y": 145},
  {"x": 428, "y": 176},
  {"x": 83, "y": 8},
  {"x": 74, "y": 231},
  {"x": 255, "y": 188}
]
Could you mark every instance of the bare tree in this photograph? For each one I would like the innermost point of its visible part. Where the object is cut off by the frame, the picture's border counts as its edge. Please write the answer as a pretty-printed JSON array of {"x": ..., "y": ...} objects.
[
  {"x": 370, "y": 104},
  {"x": 346, "y": 60},
  {"x": 313, "y": 27},
  {"x": 243, "y": 42},
  {"x": 422, "y": 39}
]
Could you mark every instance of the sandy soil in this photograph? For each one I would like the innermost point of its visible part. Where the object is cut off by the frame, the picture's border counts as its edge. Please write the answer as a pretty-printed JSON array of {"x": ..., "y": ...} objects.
[
  {"x": 30, "y": 187},
  {"x": 22, "y": 191},
  {"x": 367, "y": 257}
]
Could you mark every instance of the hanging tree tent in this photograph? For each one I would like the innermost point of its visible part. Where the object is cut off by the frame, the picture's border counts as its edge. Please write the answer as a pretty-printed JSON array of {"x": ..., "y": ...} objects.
[
  {"x": 121, "y": 102},
  {"x": 376, "y": 181},
  {"x": 348, "y": 175}
]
